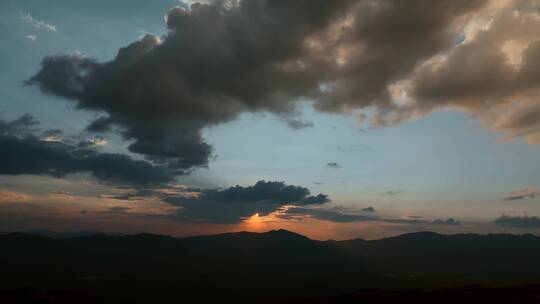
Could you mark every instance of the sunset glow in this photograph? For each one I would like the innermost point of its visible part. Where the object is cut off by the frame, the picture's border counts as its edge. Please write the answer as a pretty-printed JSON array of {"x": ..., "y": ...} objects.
[{"x": 332, "y": 121}]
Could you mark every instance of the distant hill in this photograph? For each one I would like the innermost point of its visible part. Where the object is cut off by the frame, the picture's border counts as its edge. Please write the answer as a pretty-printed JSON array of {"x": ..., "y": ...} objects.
[
  {"x": 274, "y": 266},
  {"x": 60, "y": 235}
]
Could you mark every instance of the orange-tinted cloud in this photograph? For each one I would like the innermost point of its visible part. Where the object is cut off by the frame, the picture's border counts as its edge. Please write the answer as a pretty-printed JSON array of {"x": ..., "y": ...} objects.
[{"x": 13, "y": 197}]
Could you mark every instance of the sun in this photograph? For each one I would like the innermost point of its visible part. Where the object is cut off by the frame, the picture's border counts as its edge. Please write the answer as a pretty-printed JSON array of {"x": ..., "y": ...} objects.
[
  {"x": 256, "y": 218},
  {"x": 255, "y": 222}
]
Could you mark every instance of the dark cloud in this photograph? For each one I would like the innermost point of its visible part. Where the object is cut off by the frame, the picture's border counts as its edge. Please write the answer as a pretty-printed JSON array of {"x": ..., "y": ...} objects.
[
  {"x": 369, "y": 209},
  {"x": 333, "y": 165},
  {"x": 332, "y": 215},
  {"x": 234, "y": 204},
  {"x": 22, "y": 153},
  {"x": 52, "y": 132},
  {"x": 221, "y": 59},
  {"x": 137, "y": 194},
  {"x": 61, "y": 192},
  {"x": 315, "y": 200},
  {"x": 416, "y": 220},
  {"x": 119, "y": 209},
  {"x": 450, "y": 222},
  {"x": 340, "y": 215},
  {"x": 215, "y": 63},
  {"x": 100, "y": 124},
  {"x": 522, "y": 194},
  {"x": 297, "y": 124},
  {"x": 381, "y": 44},
  {"x": 518, "y": 221},
  {"x": 26, "y": 124},
  {"x": 394, "y": 192},
  {"x": 91, "y": 143},
  {"x": 271, "y": 192}
]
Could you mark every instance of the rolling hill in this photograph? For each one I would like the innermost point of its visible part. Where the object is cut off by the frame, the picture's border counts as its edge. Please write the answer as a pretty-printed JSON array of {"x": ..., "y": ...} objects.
[{"x": 274, "y": 266}]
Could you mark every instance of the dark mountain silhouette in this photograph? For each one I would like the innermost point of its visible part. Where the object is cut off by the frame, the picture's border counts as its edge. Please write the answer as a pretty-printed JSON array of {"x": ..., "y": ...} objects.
[
  {"x": 256, "y": 267},
  {"x": 60, "y": 235}
]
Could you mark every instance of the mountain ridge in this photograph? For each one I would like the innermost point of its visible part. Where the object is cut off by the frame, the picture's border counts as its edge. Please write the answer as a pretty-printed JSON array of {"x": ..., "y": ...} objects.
[
  {"x": 75, "y": 234},
  {"x": 251, "y": 264}
]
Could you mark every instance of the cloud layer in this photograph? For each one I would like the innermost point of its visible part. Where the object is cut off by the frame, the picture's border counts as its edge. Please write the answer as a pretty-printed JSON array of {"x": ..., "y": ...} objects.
[
  {"x": 518, "y": 221},
  {"x": 492, "y": 75},
  {"x": 529, "y": 192},
  {"x": 232, "y": 205},
  {"x": 228, "y": 57},
  {"x": 22, "y": 152},
  {"x": 215, "y": 63}
]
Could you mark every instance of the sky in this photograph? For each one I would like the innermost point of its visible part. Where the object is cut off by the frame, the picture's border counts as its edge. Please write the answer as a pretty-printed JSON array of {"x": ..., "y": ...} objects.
[{"x": 336, "y": 119}]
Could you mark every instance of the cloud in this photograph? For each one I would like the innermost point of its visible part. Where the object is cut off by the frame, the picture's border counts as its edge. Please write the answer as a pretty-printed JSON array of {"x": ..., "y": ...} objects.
[
  {"x": 333, "y": 165},
  {"x": 450, "y": 222},
  {"x": 119, "y": 209},
  {"x": 332, "y": 215},
  {"x": 493, "y": 75},
  {"x": 153, "y": 191},
  {"x": 32, "y": 156},
  {"x": 214, "y": 64},
  {"x": 52, "y": 135},
  {"x": 23, "y": 153},
  {"x": 7, "y": 196},
  {"x": 38, "y": 24},
  {"x": 529, "y": 192},
  {"x": 225, "y": 58},
  {"x": 338, "y": 214},
  {"x": 234, "y": 204},
  {"x": 522, "y": 221},
  {"x": 369, "y": 209},
  {"x": 92, "y": 142},
  {"x": 395, "y": 192},
  {"x": 61, "y": 193},
  {"x": 100, "y": 124},
  {"x": 217, "y": 62},
  {"x": 380, "y": 44},
  {"x": 31, "y": 37},
  {"x": 297, "y": 124},
  {"x": 24, "y": 125},
  {"x": 314, "y": 200}
]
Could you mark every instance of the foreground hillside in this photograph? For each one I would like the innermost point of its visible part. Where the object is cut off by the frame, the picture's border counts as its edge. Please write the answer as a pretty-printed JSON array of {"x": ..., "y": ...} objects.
[{"x": 273, "y": 266}]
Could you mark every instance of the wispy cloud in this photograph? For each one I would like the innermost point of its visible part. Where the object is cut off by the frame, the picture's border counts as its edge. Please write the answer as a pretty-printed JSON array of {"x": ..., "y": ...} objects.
[
  {"x": 12, "y": 197},
  {"x": 529, "y": 192},
  {"x": 298, "y": 123},
  {"x": 339, "y": 214},
  {"x": 37, "y": 24},
  {"x": 119, "y": 209},
  {"x": 31, "y": 37},
  {"x": 333, "y": 165},
  {"x": 61, "y": 193},
  {"x": 394, "y": 192}
]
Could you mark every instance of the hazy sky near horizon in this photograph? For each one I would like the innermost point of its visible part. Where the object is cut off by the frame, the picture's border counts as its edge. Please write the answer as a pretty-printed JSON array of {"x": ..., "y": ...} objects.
[{"x": 190, "y": 118}]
